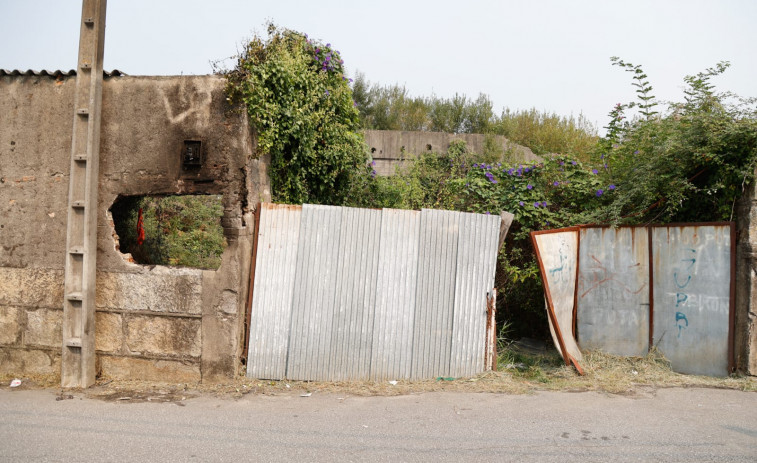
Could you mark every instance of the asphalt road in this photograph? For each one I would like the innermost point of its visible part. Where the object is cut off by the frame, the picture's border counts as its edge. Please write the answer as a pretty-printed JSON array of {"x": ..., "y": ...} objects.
[{"x": 663, "y": 425}]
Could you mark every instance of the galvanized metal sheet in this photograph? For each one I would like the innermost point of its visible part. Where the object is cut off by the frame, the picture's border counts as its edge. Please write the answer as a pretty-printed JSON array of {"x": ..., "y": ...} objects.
[
  {"x": 352, "y": 329},
  {"x": 314, "y": 293},
  {"x": 559, "y": 258},
  {"x": 691, "y": 293},
  {"x": 391, "y": 349},
  {"x": 271, "y": 310},
  {"x": 478, "y": 242},
  {"x": 435, "y": 293},
  {"x": 613, "y": 290},
  {"x": 344, "y": 293}
]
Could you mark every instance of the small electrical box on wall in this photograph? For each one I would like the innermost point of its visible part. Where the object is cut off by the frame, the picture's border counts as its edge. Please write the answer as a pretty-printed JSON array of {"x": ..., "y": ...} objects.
[{"x": 191, "y": 154}]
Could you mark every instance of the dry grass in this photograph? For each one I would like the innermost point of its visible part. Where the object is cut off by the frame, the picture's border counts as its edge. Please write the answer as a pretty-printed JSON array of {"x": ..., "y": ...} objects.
[{"x": 519, "y": 373}]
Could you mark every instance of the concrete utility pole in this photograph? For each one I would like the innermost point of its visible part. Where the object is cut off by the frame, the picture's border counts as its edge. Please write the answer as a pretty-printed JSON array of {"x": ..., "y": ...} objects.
[{"x": 78, "y": 357}]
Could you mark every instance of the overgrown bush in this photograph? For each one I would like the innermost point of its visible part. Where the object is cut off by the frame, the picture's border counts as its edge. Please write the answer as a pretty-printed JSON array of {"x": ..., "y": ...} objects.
[
  {"x": 300, "y": 101},
  {"x": 689, "y": 164}
]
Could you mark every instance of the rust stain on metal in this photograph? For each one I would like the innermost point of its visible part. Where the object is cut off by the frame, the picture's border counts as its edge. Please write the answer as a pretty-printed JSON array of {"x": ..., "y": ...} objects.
[{"x": 550, "y": 305}]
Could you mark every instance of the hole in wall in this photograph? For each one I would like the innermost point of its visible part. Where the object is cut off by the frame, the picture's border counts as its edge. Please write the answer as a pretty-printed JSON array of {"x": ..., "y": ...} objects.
[
  {"x": 428, "y": 147},
  {"x": 181, "y": 231}
]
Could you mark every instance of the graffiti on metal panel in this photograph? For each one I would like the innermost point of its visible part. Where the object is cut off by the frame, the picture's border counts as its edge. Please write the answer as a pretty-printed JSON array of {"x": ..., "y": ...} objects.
[
  {"x": 682, "y": 296},
  {"x": 602, "y": 276}
]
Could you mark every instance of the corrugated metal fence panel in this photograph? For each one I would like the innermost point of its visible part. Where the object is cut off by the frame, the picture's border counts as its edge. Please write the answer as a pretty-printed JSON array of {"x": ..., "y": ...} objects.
[
  {"x": 692, "y": 279},
  {"x": 435, "y": 293},
  {"x": 352, "y": 329},
  {"x": 476, "y": 265},
  {"x": 391, "y": 350},
  {"x": 613, "y": 290},
  {"x": 271, "y": 310},
  {"x": 314, "y": 299}
]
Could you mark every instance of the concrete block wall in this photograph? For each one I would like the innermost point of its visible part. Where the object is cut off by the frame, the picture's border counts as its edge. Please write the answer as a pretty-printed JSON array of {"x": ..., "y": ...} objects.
[
  {"x": 392, "y": 148},
  {"x": 152, "y": 322}
]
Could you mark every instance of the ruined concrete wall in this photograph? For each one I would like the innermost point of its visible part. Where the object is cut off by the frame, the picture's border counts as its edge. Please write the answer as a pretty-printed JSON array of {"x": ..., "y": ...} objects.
[
  {"x": 390, "y": 147},
  {"x": 745, "y": 336},
  {"x": 152, "y": 322}
]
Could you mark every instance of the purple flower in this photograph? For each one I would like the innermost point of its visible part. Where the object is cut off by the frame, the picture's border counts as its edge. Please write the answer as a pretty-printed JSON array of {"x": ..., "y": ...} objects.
[
  {"x": 636, "y": 152},
  {"x": 599, "y": 193},
  {"x": 475, "y": 165},
  {"x": 529, "y": 186},
  {"x": 528, "y": 169},
  {"x": 373, "y": 173},
  {"x": 602, "y": 156},
  {"x": 510, "y": 171},
  {"x": 520, "y": 203},
  {"x": 611, "y": 187},
  {"x": 373, "y": 163},
  {"x": 544, "y": 203},
  {"x": 605, "y": 165},
  {"x": 562, "y": 163},
  {"x": 594, "y": 171},
  {"x": 556, "y": 183},
  {"x": 573, "y": 162},
  {"x": 327, "y": 93},
  {"x": 536, "y": 203},
  {"x": 488, "y": 213}
]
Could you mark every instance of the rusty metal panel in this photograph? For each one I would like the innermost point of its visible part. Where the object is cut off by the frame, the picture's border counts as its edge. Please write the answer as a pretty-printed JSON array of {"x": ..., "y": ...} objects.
[
  {"x": 478, "y": 242},
  {"x": 314, "y": 299},
  {"x": 435, "y": 293},
  {"x": 355, "y": 300},
  {"x": 557, "y": 252},
  {"x": 692, "y": 296},
  {"x": 613, "y": 290},
  {"x": 271, "y": 310},
  {"x": 391, "y": 349}
]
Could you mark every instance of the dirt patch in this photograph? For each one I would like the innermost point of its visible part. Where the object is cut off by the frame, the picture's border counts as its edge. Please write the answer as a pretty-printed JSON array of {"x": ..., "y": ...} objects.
[
  {"x": 140, "y": 392},
  {"x": 519, "y": 373}
]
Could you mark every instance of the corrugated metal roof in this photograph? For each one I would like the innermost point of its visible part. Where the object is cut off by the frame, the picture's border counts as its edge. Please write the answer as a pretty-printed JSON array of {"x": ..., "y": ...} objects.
[{"x": 54, "y": 74}]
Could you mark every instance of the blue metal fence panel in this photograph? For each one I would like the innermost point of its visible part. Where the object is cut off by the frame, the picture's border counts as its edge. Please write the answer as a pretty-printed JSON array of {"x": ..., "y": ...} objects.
[
  {"x": 691, "y": 293},
  {"x": 613, "y": 290}
]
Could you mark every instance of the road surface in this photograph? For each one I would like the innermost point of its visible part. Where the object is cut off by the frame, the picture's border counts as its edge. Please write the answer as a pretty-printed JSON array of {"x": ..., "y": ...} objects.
[{"x": 663, "y": 425}]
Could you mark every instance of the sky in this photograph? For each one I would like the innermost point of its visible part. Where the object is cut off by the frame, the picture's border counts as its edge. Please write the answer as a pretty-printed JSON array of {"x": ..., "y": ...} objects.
[{"x": 552, "y": 55}]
